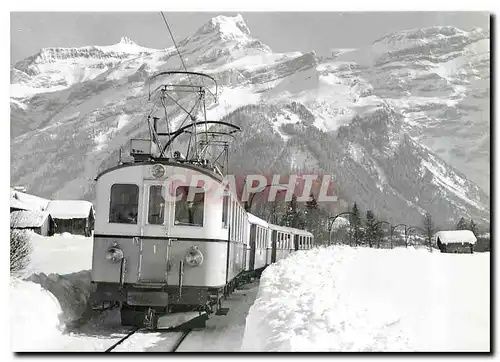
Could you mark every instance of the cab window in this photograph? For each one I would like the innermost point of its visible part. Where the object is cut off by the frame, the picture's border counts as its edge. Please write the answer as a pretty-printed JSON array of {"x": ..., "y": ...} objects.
[
  {"x": 124, "y": 202},
  {"x": 156, "y": 208},
  {"x": 189, "y": 206}
]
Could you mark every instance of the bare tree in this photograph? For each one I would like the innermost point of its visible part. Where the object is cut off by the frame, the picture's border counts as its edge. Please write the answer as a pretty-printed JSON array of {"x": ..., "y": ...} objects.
[{"x": 20, "y": 248}]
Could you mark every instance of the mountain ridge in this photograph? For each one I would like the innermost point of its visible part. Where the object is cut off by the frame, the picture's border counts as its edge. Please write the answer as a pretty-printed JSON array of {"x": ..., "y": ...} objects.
[{"x": 105, "y": 107}]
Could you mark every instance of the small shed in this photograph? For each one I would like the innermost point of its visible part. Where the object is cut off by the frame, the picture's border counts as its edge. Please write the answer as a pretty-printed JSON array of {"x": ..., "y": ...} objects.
[
  {"x": 456, "y": 241},
  {"x": 40, "y": 222},
  {"x": 72, "y": 216}
]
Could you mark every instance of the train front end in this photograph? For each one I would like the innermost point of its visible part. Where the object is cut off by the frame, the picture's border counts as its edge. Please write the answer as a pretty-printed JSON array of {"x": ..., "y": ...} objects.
[{"x": 160, "y": 245}]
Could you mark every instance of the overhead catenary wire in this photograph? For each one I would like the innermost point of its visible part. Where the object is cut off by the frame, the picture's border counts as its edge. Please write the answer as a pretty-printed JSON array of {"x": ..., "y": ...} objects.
[
  {"x": 185, "y": 69},
  {"x": 173, "y": 40}
]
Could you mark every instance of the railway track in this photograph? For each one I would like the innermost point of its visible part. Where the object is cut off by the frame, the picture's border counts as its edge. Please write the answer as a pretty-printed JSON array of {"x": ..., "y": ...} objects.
[
  {"x": 130, "y": 333},
  {"x": 178, "y": 342}
]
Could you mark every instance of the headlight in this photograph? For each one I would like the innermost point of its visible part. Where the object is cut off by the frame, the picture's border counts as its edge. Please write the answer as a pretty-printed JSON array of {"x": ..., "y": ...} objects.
[
  {"x": 158, "y": 171},
  {"x": 114, "y": 254},
  {"x": 194, "y": 257}
]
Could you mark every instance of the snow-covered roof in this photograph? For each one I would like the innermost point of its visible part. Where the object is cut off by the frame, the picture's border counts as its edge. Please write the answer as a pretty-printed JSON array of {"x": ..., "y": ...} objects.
[
  {"x": 69, "y": 209},
  {"x": 29, "y": 202},
  {"x": 456, "y": 236},
  {"x": 27, "y": 218},
  {"x": 252, "y": 219},
  {"x": 16, "y": 204}
]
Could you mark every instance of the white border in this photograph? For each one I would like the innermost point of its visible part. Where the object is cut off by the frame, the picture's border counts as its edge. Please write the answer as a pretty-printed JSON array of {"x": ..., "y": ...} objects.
[{"x": 199, "y": 5}]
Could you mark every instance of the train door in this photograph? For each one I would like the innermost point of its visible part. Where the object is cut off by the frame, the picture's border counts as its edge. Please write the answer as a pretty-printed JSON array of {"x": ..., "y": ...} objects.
[
  {"x": 274, "y": 239},
  {"x": 153, "y": 254}
]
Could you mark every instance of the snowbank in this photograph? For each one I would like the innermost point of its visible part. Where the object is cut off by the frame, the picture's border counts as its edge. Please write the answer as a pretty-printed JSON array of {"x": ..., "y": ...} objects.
[
  {"x": 61, "y": 254},
  {"x": 54, "y": 294},
  {"x": 359, "y": 299},
  {"x": 72, "y": 291},
  {"x": 61, "y": 264},
  {"x": 35, "y": 325}
]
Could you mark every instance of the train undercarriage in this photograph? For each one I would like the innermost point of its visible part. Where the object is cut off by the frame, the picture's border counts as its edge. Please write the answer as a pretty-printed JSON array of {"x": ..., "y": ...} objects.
[{"x": 162, "y": 307}]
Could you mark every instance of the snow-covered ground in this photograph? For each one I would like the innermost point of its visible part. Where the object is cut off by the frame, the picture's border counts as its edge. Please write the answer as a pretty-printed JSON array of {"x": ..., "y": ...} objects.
[
  {"x": 52, "y": 297},
  {"x": 326, "y": 299},
  {"x": 224, "y": 333},
  {"x": 52, "y": 294},
  {"x": 359, "y": 299}
]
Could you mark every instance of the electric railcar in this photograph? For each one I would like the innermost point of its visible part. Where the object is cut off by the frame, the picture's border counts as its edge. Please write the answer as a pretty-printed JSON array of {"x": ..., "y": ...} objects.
[
  {"x": 165, "y": 245},
  {"x": 176, "y": 255}
]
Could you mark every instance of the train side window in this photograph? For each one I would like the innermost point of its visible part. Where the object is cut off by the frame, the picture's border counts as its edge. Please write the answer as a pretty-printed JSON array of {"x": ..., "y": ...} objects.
[
  {"x": 225, "y": 210},
  {"x": 240, "y": 218},
  {"x": 257, "y": 230},
  {"x": 189, "y": 206},
  {"x": 238, "y": 226},
  {"x": 237, "y": 222},
  {"x": 156, "y": 209},
  {"x": 233, "y": 219},
  {"x": 124, "y": 204},
  {"x": 241, "y": 225}
]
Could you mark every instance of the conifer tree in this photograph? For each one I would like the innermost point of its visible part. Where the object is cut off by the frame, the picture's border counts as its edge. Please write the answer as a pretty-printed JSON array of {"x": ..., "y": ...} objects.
[
  {"x": 462, "y": 225},
  {"x": 370, "y": 233},
  {"x": 356, "y": 231},
  {"x": 473, "y": 227}
]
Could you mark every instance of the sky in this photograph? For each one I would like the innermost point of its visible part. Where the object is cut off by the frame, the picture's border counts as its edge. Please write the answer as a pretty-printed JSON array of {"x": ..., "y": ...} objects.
[{"x": 282, "y": 31}]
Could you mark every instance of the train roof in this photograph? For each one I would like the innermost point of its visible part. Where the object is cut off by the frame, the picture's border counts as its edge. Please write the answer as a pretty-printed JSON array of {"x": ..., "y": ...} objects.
[
  {"x": 252, "y": 219},
  {"x": 303, "y": 232},
  {"x": 165, "y": 162}
]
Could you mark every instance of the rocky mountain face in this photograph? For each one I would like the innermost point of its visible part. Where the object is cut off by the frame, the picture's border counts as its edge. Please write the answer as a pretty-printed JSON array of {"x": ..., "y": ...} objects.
[
  {"x": 403, "y": 125},
  {"x": 439, "y": 79}
]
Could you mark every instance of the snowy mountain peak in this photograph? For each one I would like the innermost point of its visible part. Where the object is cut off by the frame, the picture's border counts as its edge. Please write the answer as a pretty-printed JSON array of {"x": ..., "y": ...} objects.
[
  {"x": 127, "y": 40},
  {"x": 229, "y": 27}
]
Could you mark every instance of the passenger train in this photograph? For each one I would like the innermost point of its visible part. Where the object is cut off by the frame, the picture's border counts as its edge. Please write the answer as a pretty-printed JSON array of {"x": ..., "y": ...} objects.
[{"x": 165, "y": 245}]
